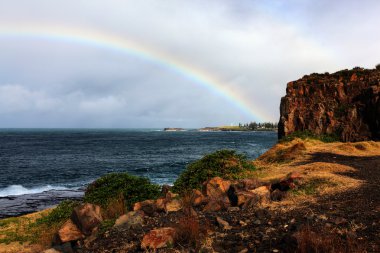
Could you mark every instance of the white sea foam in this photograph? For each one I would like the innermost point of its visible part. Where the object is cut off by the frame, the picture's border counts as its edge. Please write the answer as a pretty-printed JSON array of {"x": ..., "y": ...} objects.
[{"x": 15, "y": 190}]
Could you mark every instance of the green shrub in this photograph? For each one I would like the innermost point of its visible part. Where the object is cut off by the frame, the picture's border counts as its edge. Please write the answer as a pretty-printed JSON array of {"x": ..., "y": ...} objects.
[
  {"x": 59, "y": 214},
  {"x": 309, "y": 135},
  {"x": 223, "y": 163},
  {"x": 110, "y": 187}
]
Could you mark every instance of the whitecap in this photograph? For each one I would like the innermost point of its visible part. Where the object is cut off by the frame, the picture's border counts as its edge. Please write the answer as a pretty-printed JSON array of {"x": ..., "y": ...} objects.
[{"x": 16, "y": 190}]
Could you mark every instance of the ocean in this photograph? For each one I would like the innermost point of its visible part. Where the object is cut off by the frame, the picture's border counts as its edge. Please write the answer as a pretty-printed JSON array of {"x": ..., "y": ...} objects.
[{"x": 41, "y": 167}]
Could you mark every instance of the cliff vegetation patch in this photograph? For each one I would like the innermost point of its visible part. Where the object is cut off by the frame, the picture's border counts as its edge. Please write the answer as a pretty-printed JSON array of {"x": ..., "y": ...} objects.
[{"x": 226, "y": 164}]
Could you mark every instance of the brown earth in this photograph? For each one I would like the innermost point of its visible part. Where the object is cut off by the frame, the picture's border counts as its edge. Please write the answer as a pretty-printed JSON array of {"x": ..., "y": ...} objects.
[{"x": 334, "y": 208}]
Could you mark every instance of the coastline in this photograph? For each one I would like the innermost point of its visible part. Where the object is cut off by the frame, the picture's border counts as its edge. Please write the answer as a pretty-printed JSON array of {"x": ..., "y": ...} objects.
[{"x": 338, "y": 170}]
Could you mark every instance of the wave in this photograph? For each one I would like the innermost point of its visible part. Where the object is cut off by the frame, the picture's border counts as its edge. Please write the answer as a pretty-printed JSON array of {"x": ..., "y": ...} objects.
[{"x": 16, "y": 190}]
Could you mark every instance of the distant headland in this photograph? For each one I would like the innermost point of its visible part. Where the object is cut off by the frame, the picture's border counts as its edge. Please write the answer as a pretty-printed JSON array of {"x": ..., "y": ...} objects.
[{"x": 252, "y": 126}]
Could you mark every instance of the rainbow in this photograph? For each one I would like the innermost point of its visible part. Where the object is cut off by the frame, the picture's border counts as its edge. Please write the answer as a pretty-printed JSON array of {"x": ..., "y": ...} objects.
[{"x": 130, "y": 47}]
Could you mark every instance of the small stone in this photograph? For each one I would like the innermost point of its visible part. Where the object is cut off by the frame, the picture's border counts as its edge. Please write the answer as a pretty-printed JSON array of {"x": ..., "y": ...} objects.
[
  {"x": 159, "y": 238},
  {"x": 292, "y": 220},
  {"x": 222, "y": 223},
  {"x": 233, "y": 209},
  {"x": 242, "y": 223},
  {"x": 243, "y": 250},
  {"x": 51, "y": 250},
  {"x": 257, "y": 222},
  {"x": 275, "y": 250},
  {"x": 132, "y": 219},
  {"x": 340, "y": 220}
]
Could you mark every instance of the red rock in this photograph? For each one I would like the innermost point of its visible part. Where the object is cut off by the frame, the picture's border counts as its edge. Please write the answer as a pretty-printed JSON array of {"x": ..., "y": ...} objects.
[
  {"x": 173, "y": 205},
  {"x": 346, "y": 103},
  {"x": 197, "y": 198},
  {"x": 213, "y": 206},
  {"x": 147, "y": 206},
  {"x": 87, "y": 217},
  {"x": 131, "y": 219},
  {"x": 243, "y": 197},
  {"x": 216, "y": 187},
  {"x": 69, "y": 232},
  {"x": 159, "y": 238},
  {"x": 160, "y": 204},
  {"x": 262, "y": 193}
]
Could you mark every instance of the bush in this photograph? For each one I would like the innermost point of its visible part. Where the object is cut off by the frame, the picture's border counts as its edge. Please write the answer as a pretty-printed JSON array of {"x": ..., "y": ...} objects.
[
  {"x": 223, "y": 163},
  {"x": 59, "y": 214},
  {"x": 309, "y": 135},
  {"x": 110, "y": 187},
  {"x": 378, "y": 66}
]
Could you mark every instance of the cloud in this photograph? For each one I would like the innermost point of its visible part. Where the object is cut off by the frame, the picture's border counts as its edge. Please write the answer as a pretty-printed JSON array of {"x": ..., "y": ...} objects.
[{"x": 253, "y": 47}]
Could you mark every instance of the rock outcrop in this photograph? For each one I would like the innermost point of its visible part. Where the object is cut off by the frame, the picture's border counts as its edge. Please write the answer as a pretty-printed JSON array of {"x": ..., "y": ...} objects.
[{"x": 345, "y": 104}]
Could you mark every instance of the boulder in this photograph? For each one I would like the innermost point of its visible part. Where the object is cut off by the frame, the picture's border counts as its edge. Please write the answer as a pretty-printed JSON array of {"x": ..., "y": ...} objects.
[
  {"x": 159, "y": 238},
  {"x": 160, "y": 204},
  {"x": 87, "y": 217},
  {"x": 290, "y": 182},
  {"x": 173, "y": 205},
  {"x": 243, "y": 197},
  {"x": 262, "y": 194},
  {"x": 147, "y": 206},
  {"x": 170, "y": 195},
  {"x": 216, "y": 187},
  {"x": 69, "y": 232},
  {"x": 249, "y": 183},
  {"x": 216, "y": 190},
  {"x": 213, "y": 206},
  {"x": 133, "y": 219},
  {"x": 197, "y": 198}
]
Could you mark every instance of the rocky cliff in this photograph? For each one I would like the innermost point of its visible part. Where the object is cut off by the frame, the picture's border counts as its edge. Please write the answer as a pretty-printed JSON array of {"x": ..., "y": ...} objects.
[{"x": 346, "y": 104}]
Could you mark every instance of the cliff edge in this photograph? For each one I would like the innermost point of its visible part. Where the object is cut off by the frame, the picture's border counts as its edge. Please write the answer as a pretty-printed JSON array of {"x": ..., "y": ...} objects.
[{"x": 345, "y": 104}]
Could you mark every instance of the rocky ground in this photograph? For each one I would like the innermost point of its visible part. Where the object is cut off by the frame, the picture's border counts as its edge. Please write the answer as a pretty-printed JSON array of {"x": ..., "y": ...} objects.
[
  {"x": 309, "y": 197},
  {"x": 341, "y": 214}
]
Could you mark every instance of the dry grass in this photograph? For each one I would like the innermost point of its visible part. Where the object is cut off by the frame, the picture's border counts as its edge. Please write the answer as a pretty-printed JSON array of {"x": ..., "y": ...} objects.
[
  {"x": 17, "y": 234},
  {"x": 323, "y": 241},
  {"x": 190, "y": 233},
  {"x": 298, "y": 156}
]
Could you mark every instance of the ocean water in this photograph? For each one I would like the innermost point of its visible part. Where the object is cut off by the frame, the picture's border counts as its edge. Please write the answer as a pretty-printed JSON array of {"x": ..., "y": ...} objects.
[{"x": 35, "y": 161}]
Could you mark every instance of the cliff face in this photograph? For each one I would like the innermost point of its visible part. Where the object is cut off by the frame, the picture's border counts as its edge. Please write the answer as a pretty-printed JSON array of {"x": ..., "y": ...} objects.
[{"x": 346, "y": 103}]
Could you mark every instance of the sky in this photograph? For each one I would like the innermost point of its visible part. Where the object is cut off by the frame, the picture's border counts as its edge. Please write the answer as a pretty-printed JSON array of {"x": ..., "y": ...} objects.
[{"x": 171, "y": 63}]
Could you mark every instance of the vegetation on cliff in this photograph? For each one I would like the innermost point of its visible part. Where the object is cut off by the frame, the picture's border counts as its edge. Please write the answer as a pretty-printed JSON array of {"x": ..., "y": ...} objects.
[{"x": 226, "y": 164}]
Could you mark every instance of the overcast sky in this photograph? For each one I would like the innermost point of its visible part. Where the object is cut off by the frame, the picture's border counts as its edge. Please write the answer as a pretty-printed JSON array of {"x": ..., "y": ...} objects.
[{"x": 252, "y": 47}]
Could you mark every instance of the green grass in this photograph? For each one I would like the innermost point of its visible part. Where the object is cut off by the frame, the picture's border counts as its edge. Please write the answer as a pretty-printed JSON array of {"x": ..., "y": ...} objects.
[
  {"x": 309, "y": 135},
  {"x": 223, "y": 163},
  {"x": 106, "y": 225},
  {"x": 312, "y": 186},
  {"x": 59, "y": 214}
]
